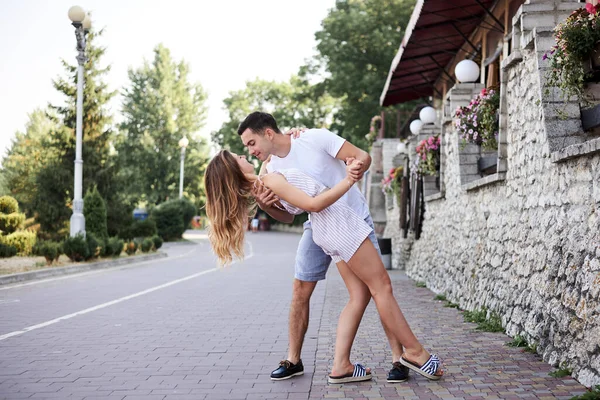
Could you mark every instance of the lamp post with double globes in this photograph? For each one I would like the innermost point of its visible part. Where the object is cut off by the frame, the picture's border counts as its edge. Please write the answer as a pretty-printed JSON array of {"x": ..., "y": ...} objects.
[
  {"x": 82, "y": 24},
  {"x": 183, "y": 143}
]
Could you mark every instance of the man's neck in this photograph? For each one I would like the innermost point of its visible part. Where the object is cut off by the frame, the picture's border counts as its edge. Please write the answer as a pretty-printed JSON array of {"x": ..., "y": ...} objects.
[{"x": 282, "y": 144}]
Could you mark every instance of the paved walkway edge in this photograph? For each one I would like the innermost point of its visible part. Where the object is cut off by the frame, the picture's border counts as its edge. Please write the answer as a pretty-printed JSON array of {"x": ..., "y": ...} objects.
[{"x": 73, "y": 269}]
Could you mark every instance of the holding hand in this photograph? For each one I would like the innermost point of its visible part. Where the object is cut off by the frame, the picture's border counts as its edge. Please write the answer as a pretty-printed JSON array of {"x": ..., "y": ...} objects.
[
  {"x": 295, "y": 132},
  {"x": 264, "y": 196},
  {"x": 353, "y": 169}
]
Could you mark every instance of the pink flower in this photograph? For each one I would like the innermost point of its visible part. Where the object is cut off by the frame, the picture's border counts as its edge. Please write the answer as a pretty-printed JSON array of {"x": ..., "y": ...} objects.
[{"x": 590, "y": 8}]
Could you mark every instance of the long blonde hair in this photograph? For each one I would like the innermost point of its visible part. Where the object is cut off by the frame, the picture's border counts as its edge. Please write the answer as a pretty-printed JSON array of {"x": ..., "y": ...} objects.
[{"x": 229, "y": 203}]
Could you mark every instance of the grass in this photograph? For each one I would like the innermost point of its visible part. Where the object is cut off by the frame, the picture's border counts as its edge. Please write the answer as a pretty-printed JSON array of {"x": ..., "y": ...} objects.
[
  {"x": 441, "y": 297},
  {"x": 450, "y": 304},
  {"x": 561, "y": 372},
  {"x": 485, "y": 324},
  {"x": 421, "y": 284},
  {"x": 593, "y": 394},
  {"x": 532, "y": 348},
  {"x": 518, "y": 341}
]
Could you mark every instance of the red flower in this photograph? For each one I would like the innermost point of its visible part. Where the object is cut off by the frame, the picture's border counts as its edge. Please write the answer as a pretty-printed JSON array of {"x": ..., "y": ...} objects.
[{"x": 483, "y": 91}]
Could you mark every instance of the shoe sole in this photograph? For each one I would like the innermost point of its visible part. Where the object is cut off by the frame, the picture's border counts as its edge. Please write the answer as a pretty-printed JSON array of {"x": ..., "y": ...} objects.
[
  {"x": 419, "y": 371},
  {"x": 397, "y": 380},
  {"x": 350, "y": 379},
  {"x": 288, "y": 377}
]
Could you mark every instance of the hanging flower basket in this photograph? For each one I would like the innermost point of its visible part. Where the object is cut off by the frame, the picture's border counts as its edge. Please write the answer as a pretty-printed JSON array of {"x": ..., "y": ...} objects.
[
  {"x": 478, "y": 123},
  {"x": 575, "y": 60},
  {"x": 428, "y": 152}
]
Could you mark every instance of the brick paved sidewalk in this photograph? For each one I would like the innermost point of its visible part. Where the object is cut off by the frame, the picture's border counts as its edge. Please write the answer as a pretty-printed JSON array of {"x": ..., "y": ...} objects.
[{"x": 478, "y": 364}]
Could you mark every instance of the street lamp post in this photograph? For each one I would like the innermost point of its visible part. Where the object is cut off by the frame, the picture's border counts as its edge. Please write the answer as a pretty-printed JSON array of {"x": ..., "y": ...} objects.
[
  {"x": 82, "y": 24},
  {"x": 183, "y": 143}
]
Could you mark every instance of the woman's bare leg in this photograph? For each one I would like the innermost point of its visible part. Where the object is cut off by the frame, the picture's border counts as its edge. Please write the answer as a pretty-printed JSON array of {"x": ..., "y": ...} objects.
[
  {"x": 368, "y": 267},
  {"x": 350, "y": 319}
]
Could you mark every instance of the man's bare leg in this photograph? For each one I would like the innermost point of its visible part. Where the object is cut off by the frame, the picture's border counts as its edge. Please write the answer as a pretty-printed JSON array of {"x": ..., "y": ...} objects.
[{"x": 299, "y": 313}]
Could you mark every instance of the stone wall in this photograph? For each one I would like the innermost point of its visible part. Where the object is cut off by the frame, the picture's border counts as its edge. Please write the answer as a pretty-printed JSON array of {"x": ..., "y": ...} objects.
[{"x": 527, "y": 247}]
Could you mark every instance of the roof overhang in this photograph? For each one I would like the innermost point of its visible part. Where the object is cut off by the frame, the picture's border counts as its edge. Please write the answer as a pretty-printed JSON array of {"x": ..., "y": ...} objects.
[{"x": 436, "y": 32}]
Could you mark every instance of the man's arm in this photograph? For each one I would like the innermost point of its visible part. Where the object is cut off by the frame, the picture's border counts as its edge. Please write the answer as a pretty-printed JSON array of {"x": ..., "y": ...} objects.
[{"x": 350, "y": 151}]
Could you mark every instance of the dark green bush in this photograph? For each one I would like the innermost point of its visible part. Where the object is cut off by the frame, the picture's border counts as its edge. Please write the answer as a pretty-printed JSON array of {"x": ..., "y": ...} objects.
[
  {"x": 143, "y": 228},
  {"x": 76, "y": 248},
  {"x": 117, "y": 246},
  {"x": 7, "y": 251},
  {"x": 131, "y": 247},
  {"x": 147, "y": 244},
  {"x": 94, "y": 245},
  {"x": 158, "y": 242},
  {"x": 8, "y": 205},
  {"x": 94, "y": 210},
  {"x": 51, "y": 251},
  {"x": 173, "y": 218}
]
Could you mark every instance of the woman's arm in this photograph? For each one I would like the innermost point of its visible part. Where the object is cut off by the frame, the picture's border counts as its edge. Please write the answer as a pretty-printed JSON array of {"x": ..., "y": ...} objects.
[{"x": 285, "y": 191}]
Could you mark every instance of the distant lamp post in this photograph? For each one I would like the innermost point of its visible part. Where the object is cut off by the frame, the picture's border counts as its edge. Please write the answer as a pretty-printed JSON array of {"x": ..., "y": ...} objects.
[
  {"x": 415, "y": 126},
  {"x": 183, "y": 143},
  {"x": 467, "y": 71},
  {"x": 82, "y": 24},
  {"x": 427, "y": 115}
]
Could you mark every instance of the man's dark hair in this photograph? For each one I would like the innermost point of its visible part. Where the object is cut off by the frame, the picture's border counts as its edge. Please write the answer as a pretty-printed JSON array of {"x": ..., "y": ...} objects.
[{"x": 258, "y": 122}]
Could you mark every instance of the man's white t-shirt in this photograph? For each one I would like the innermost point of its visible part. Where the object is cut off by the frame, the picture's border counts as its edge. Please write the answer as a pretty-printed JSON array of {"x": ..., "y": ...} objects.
[{"x": 314, "y": 154}]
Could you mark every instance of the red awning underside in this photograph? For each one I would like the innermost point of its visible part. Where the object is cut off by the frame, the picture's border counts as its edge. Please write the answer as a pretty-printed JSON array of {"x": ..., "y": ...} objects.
[{"x": 439, "y": 30}]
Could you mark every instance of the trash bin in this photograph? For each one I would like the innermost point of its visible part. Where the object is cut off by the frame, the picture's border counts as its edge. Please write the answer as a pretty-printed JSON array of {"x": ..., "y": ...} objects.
[{"x": 385, "y": 245}]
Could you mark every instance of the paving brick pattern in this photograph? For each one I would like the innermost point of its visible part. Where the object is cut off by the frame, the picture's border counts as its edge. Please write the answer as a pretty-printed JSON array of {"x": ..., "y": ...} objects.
[
  {"x": 478, "y": 364},
  {"x": 218, "y": 336}
]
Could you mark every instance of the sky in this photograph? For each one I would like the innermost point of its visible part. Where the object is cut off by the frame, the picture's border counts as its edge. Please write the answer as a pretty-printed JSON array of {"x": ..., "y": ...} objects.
[{"x": 225, "y": 43}]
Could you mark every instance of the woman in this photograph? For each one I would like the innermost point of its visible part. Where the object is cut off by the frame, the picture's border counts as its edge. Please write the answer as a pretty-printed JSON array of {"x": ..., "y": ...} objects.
[{"x": 337, "y": 229}]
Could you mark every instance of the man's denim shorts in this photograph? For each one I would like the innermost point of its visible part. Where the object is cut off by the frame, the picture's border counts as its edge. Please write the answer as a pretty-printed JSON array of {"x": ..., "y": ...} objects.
[{"x": 312, "y": 262}]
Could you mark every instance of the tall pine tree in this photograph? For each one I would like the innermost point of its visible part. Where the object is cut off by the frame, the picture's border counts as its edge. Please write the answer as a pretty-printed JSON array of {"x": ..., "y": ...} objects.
[
  {"x": 160, "y": 107},
  {"x": 55, "y": 182}
]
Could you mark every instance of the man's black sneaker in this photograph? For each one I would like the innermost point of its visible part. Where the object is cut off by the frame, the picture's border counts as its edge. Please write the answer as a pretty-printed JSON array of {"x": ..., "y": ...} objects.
[
  {"x": 288, "y": 370},
  {"x": 398, "y": 373}
]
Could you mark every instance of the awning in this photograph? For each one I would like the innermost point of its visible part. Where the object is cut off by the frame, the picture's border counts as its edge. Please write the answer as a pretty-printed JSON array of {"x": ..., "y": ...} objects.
[{"x": 437, "y": 30}]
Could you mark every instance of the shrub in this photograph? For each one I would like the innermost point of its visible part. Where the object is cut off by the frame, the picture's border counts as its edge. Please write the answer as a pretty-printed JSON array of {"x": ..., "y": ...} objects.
[
  {"x": 94, "y": 210},
  {"x": 95, "y": 246},
  {"x": 147, "y": 244},
  {"x": 116, "y": 246},
  {"x": 9, "y": 223},
  {"x": 23, "y": 241},
  {"x": 173, "y": 218},
  {"x": 131, "y": 248},
  {"x": 76, "y": 248},
  {"x": 158, "y": 242},
  {"x": 143, "y": 228},
  {"x": 51, "y": 251},
  {"x": 7, "y": 251},
  {"x": 8, "y": 205}
]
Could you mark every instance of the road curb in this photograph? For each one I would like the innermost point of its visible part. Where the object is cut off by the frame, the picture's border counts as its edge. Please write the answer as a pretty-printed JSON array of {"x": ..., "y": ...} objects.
[{"x": 73, "y": 269}]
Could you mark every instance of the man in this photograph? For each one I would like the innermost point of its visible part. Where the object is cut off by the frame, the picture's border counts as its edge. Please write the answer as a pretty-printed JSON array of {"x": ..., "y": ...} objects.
[{"x": 320, "y": 154}]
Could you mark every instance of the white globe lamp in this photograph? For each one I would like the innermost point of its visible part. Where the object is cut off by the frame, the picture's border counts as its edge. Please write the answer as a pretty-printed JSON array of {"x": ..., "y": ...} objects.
[
  {"x": 401, "y": 148},
  {"x": 467, "y": 71},
  {"x": 427, "y": 115},
  {"x": 415, "y": 126},
  {"x": 76, "y": 14}
]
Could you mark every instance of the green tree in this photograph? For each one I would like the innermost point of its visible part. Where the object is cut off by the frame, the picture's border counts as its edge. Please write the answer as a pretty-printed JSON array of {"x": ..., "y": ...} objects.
[
  {"x": 293, "y": 103},
  {"x": 26, "y": 157},
  {"x": 94, "y": 210},
  {"x": 356, "y": 45},
  {"x": 160, "y": 107}
]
